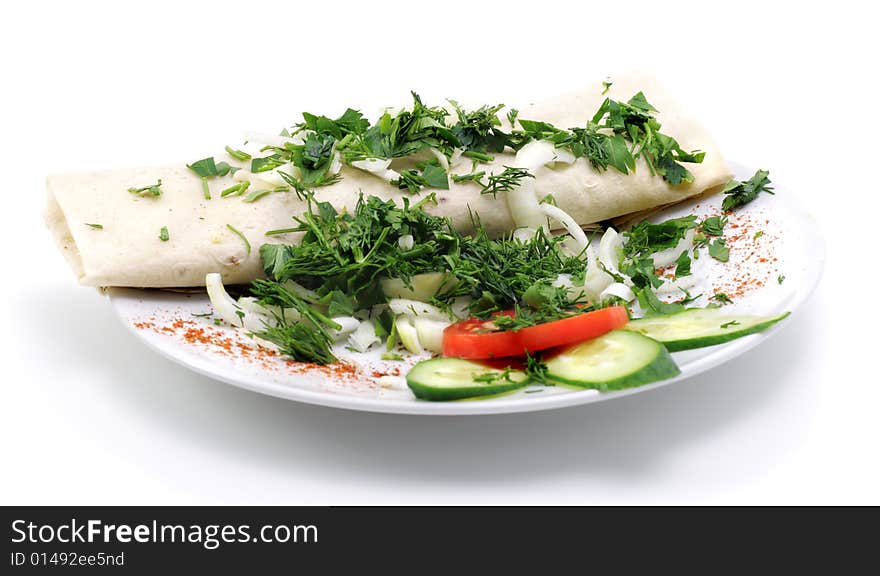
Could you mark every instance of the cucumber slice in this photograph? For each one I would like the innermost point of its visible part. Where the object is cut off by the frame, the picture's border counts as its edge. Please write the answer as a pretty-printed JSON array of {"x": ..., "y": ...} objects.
[
  {"x": 613, "y": 361},
  {"x": 700, "y": 327},
  {"x": 454, "y": 379}
]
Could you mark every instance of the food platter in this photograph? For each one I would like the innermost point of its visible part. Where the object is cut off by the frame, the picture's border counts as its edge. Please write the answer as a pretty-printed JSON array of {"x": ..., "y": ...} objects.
[{"x": 776, "y": 260}]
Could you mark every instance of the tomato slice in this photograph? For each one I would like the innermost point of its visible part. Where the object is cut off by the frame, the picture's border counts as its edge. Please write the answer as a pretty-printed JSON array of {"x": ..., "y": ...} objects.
[
  {"x": 477, "y": 339},
  {"x": 573, "y": 329}
]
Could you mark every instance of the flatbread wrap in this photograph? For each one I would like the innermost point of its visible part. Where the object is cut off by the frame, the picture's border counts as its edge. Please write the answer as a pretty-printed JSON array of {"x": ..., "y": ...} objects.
[{"x": 111, "y": 237}]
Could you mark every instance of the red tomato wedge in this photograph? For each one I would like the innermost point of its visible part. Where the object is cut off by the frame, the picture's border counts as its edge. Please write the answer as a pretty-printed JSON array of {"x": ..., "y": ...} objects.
[{"x": 476, "y": 339}]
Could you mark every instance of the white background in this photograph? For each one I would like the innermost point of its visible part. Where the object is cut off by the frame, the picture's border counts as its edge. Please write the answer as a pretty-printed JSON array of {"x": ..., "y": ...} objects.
[{"x": 89, "y": 416}]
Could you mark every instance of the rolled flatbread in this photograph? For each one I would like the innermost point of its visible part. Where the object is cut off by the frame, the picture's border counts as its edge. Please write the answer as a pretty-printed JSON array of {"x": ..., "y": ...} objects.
[{"x": 127, "y": 249}]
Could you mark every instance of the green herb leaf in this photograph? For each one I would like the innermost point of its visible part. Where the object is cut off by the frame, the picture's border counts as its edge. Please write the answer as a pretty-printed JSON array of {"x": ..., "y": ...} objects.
[
  {"x": 719, "y": 250},
  {"x": 722, "y": 298},
  {"x": 653, "y": 306},
  {"x": 646, "y": 238},
  {"x": 505, "y": 181},
  {"x": 714, "y": 225},
  {"x": 95, "y": 226},
  {"x": 741, "y": 193},
  {"x": 207, "y": 168},
  {"x": 153, "y": 190},
  {"x": 163, "y": 234},
  {"x": 683, "y": 265}
]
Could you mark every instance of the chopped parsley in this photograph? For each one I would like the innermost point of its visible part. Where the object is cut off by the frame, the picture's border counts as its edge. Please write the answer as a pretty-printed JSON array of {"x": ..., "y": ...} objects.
[
  {"x": 683, "y": 265},
  {"x": 729, "y": 324},
  {"x": 714, "y": 225},
  {"x": 646, "y": 238},
  {"x": 719, "y": 250},
  {"x": 163, "y": 234},
  {"x": 780, "y": 279},
  {"x": 758, "y": 234},
  {"x": 95, "y": 226},
  {"x": 722, "y": 298},
  {"x": 152, "y": 190},
  {"x": 207, "y": 168},
  {"x": 741, "y": 193}
]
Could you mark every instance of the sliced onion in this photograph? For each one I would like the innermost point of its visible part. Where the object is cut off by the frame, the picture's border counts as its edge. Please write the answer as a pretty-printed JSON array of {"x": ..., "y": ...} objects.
[
  {"x": 408, "y": 335},
  {"x": 227, "y": 308},
  {"x": 301, "y": 291},
  {"x": 609, "y": 250},
  {"x": 347, "y": 325},
  {"x": 568, "y": 222},
  {"x": 422, "y": 287},
  {"x": 674, "y": 286},
  {"x": 618, "y": 290},
  {"x": 378, "y": 167},
  {"x": 595, "y": 279},
  {"x": 430, "y": 333},
  {"x": 670, "y": 255},
  {"x": 413, "y": 308},
  {"x": 335, "y": 165},
  {"x": 406, "y": 242},
  {"x": 441, "y": 158},
  {"x": 364, "y": 337},
  {"x": 524, "y": 235}
]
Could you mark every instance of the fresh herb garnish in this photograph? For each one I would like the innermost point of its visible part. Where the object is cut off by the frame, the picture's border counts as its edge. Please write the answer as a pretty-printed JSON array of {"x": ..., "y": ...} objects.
[
  {"x": 153, "y": 190},
  {"x": 494, "y": 377},
  {"x": 238, "y": 154},
  {"x": 653, "y": 306},
  {"x": 237, "y": 189},
  {"x": 604, "y": 140},
  {"x": 758, "y": 234},
  {"x": 780, "y": 279},
  {"x": 683, "y": 265},
  {"x": 95, "y": 226},
  {"x": 163, "y": 234},
  {"x": 719, "y": 250},
  {"x": 646, "y": 238},
  {"x": 729, "y": 324},
  {"x": 741, "y": 193},
  {"x": 722, "y": 298},
  {"x": 470, "y": 177},
  {"x": 537, "y": 370},
  {"x": 307, "y": 339},
  {"x": 505, "y": 181},
  {"x": 606, "y": 85},
  {"x": 207, "y": 168},
  {"x": 247, "y": 245},
  {"x": 714, "y": 225}
]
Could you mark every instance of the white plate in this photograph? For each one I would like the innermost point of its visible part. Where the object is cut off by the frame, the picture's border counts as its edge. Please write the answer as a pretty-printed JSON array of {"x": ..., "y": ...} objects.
[{"x": 790, "y": 245}]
